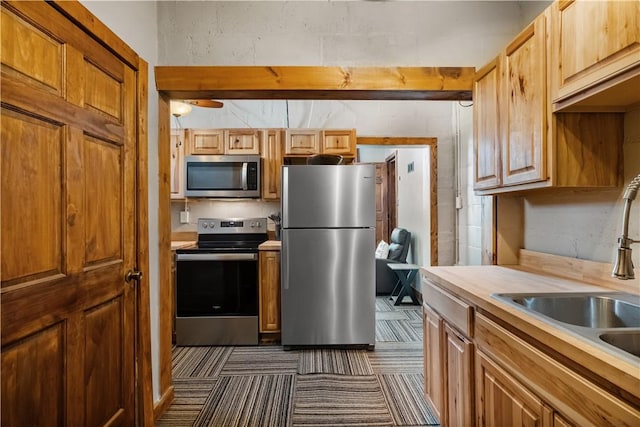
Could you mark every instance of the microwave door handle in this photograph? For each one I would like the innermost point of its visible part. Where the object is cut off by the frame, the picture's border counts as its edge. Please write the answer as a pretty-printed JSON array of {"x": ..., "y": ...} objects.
[{"x": 245, "y": 185}]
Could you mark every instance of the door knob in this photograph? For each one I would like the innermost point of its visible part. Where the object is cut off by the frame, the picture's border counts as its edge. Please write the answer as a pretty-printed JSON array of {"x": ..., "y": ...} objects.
[{"x": 133, "y": 275}]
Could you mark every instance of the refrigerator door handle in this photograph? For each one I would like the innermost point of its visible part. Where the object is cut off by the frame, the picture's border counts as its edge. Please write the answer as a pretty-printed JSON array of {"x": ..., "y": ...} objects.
[{"x": 285, "y": 264}]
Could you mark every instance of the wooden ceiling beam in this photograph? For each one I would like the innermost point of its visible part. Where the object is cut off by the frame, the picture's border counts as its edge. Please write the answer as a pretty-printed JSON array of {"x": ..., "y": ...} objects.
[
  {"x": 357, "y": 83},
  {"x": 388, "y": 140}
]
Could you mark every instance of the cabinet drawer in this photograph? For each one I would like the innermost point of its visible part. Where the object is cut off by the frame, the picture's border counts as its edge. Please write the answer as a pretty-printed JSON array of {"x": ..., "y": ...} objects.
[
  {"x": 455, "y": 311},
  {"x": 582, "y": 401}
]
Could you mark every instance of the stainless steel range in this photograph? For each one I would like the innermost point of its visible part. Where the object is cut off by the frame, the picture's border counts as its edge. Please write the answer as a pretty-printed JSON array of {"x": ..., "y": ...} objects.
[{"x": 217, "y": 283}]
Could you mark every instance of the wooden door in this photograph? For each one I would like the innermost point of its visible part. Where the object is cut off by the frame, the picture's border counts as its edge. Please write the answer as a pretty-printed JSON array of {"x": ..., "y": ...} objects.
[
  {"x": 459, "y": 381},
  {"x": 486, "y": 94},
  {"x": 503, "y": 402},
  {"x": 382, "y": 215},
  {"x": 177, "y": 163},
  {"x": 68, "y": 133},
  {"x": 392, "y": 198},
  {"x": 524, "y": 122},
  {"x": 432, "y": 350}
]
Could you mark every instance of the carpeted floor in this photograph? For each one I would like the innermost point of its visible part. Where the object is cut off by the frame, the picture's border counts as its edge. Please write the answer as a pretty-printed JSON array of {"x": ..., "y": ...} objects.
[{"x": 268, "y": 387}]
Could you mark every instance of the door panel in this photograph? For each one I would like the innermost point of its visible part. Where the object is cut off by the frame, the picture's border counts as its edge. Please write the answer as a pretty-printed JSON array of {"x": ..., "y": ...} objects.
[
  {"x": 68, "y": 195},
  {"x": 33, "y": 373},
  {"x": 34, "y": 224}
]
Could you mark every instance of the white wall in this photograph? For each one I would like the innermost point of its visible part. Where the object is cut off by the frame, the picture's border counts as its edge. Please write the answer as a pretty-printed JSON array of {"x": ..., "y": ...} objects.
[
  {"x": 137, "y": 24},
  {"x": 586, "y": 224}
]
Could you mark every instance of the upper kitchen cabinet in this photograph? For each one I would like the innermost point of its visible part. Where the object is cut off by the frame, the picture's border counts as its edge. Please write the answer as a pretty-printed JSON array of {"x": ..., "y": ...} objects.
[
  {"x": 303, "y": 142},
  {"x": 342, "y": 142},
  {"x": 242, "y": 141},
  {"x": 595, "y": 55},
  {"x": 271, "y": 163},
  {"x": 177, "y": 163},
  {"x": 307, "y": 142},
  {"x": 520, "y": 144},
  {"x": 205, "y": 141},
  {"x": 486, "y": 130}
]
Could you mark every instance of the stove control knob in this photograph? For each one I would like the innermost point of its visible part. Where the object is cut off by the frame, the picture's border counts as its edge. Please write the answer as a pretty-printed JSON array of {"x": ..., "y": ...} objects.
[
  {"x": 211, "y": 225},
  {"x": 204, "y": 225},
  {"x": 253, "y": 224}
]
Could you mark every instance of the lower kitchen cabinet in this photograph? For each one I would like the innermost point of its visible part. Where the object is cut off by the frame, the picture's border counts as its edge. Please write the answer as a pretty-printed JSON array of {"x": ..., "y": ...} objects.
[
  {"x": 432, "y": 331},
  {"x": 448, "y": 356},
  {"x": 458, "y": 378},
  {"x": 503, "y": 401},
  {"x": 269, "y": 291}
]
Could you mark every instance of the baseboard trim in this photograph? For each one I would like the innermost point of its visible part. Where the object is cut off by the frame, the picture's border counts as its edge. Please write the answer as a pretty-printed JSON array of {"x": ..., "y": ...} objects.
[{"x": 161, "y": 406}]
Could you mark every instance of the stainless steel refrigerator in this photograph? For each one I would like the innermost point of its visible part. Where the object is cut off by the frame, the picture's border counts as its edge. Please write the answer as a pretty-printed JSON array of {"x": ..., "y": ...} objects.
[{"x": 328, "y": 255}]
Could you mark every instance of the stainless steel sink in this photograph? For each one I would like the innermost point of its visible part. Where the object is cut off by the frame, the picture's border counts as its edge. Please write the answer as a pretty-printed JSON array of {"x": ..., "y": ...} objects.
[
  {"x": 592, "y": 311},
  {"x": 628, "y": 341},
  {"x": 610, "y": 320}
]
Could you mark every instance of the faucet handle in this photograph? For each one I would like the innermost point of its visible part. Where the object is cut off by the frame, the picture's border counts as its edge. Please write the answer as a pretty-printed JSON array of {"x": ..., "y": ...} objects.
[{"x": 623, "y": 268}]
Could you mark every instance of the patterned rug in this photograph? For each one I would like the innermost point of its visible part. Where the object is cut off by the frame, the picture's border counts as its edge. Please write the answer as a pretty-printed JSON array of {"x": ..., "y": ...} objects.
[
  {"x": 248, "y": 401},
  {"x": 334, "y": 361},
  {"x": 339, "y": 400},
  {"x": 267, "y": 386}
]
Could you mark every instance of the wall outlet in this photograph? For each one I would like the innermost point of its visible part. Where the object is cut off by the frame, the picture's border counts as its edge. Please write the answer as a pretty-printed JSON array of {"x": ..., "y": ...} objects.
[{"x": 184, "y": 217}]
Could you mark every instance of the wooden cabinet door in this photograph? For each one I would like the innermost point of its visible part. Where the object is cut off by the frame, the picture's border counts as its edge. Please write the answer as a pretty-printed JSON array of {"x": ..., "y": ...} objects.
[
  {"x": 432, "y": 351},
  {"x": 342, "y": 142},
  {"x": 459, "y": 381},
  {"x": 205, "y": 141},
  {"x": 301, "y": 142},
  {"x": 504, "y": 402},
  {"x": 486, "y": 94},
  {"x": 593, "y": 41},
  {"x": 177, "y": 164},
  {"x": 269, "y": 291},
  {"x": 242, "y": 141},
  {"x": 524, "y": 120},
  {"x": 271, "y": 164},
  {"x": 68, "y": 192}
]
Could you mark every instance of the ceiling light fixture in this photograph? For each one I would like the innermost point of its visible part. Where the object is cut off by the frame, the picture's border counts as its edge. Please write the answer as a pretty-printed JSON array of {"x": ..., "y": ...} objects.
[{"x": 179, "y": 108}]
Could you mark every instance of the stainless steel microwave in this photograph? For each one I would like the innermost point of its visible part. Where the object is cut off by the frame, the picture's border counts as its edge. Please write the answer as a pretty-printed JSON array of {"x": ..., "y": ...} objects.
[{"x": 222, "y": 176}]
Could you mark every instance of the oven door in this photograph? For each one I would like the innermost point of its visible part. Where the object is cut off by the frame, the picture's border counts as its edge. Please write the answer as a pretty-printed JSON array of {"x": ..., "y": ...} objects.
[
  {"x": 212, "y": 284},
  {"x": 216, "y": 299}
]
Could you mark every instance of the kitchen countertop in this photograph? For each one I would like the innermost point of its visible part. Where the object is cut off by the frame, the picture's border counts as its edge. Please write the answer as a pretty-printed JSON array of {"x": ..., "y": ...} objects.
[
  {"x": 475, "y": 284},
  {"x": 270, "y": 245},
  {"x": 182, "y": 244}
]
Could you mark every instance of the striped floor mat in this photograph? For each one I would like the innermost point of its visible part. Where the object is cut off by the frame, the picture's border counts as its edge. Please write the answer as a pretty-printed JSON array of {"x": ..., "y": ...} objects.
[
  {"x": 199, "y": 362},
  {"x": 397, "y": 359},
  {"x": 190, "y": 396},
  {"x": 398, "y": 331},
  {"x": 271, "y": 360},
  {"x": 248, "y": 401},
  {"x": 405, "y": 397},
  {"x": 334, "y": 361},
  {"x": 339, "y": 400}
]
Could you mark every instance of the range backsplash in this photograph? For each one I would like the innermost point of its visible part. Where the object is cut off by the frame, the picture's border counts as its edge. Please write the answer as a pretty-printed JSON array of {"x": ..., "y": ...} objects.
[{"x": 205, "y": 208}]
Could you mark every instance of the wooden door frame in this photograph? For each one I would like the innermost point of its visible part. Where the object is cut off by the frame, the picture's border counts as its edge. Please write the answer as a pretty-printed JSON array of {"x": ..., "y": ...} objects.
[
  {"x": 388, "y": 161},
  {"x": 142, "y": 352},
  {"x": 275, "y": 82},
  {"x": 417, "y": 142}
]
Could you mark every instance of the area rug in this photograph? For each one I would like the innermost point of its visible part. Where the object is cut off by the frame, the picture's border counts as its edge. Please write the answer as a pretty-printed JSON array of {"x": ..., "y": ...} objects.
[
  {"x": 200, "y": 362},
  {"x": 397, "y": 331},
  {"x": 334, "y": 361},
  {"x": 339, "y": 400},
  {"x": 397, "y": 359},
  {"x": 248, "y": 401},
  {"x": 190, "y": 396},
  {"x": 405, "y": 396},
  {"x": 268, "y": 360}
]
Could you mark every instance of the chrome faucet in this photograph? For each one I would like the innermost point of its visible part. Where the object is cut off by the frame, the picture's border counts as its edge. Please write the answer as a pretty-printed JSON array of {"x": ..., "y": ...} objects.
[{"x": 623, "y": 267}]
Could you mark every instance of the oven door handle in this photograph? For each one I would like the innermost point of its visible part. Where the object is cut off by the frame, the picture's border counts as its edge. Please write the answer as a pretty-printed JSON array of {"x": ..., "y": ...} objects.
[{"x": 216, "y": 257}]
